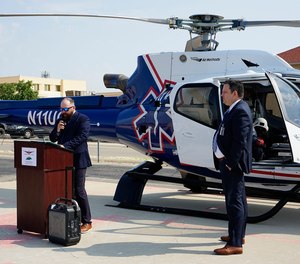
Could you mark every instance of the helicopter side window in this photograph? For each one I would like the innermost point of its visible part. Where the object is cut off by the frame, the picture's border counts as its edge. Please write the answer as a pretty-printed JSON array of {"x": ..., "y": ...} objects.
[
  {"x": 199, "y": 103},
  {"x": 290, "y": 96}
]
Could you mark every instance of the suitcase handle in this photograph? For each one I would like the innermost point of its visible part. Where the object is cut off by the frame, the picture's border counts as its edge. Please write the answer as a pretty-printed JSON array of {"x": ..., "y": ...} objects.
[{"x": 66, "y": 200}]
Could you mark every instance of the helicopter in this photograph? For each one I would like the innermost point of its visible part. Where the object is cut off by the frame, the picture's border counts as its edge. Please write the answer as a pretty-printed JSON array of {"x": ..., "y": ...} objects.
[{"x": 171, "y": 106}]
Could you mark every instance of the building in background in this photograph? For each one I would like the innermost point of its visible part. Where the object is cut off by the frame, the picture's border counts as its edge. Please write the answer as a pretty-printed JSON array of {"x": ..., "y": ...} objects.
[
  {"x": 292, "y": 57},
  {"x": 49, "y": 87}
]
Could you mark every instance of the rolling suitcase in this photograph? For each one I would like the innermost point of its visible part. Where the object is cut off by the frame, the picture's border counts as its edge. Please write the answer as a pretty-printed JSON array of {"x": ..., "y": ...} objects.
[{"x": 64, "y": 219}]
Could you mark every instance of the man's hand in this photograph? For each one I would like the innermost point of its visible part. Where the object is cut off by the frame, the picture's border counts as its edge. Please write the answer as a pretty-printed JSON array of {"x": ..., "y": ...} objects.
[{"x": 60, "y": 126}]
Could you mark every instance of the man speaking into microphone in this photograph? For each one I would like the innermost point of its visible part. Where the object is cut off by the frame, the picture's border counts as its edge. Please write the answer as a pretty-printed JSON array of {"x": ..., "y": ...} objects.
[{"x": 71, "y": 132}]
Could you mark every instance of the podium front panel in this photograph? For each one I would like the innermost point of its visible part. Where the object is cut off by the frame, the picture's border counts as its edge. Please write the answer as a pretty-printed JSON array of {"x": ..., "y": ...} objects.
[{"x": 39, "y": 186}]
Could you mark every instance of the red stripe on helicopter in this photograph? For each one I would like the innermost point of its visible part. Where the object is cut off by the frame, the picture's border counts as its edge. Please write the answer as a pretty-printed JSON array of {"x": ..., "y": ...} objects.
[
  {"x": 262, "y": 172},
  {"x": 154, "y": 70},
  {"x": 275, "y": 173}
]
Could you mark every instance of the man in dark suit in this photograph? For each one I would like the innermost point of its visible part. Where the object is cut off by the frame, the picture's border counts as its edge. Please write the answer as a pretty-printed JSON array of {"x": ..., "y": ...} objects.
[
  {"x": 71, "y": 132},
  {"x": 233, "y": 150}
]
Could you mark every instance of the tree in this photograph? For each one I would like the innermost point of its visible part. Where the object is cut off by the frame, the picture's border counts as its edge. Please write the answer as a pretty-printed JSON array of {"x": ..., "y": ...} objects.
[
  {"x": 17, "y": 91},
  {"x": 7, "y": 91}
]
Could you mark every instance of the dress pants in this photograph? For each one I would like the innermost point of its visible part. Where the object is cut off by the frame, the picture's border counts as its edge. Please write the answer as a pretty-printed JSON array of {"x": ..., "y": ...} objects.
[
  {"x": 236, "y": 203},
  {"x": 81, "y": 195}
]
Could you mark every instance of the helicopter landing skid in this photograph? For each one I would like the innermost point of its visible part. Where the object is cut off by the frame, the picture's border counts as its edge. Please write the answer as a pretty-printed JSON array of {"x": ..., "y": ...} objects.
[{"x": 131, "y": 185}]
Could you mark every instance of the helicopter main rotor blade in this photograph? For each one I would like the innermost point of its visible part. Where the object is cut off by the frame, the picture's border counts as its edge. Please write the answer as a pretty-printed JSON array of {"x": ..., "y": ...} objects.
[
  {"x": 150, "y": 20},
  {"x": 175, "y": 22},
  {"x": 279, "y": 23},
  {"x": 204, "y": 25}
]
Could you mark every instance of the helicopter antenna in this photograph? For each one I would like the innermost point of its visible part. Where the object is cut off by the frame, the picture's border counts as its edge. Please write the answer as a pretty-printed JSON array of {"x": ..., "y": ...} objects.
[{"x": 204, "y": 26}]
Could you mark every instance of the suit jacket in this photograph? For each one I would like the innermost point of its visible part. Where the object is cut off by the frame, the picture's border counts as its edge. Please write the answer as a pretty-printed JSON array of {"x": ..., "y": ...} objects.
[
  {"x": 235, "y": 139},
  {"x": 74, "y": 137}
]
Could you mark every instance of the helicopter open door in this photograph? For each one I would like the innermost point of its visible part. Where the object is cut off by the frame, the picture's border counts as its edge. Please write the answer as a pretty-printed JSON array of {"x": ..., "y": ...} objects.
[
  {"x": 195, "y": 115},
  {"x": 288, "y": 96}
]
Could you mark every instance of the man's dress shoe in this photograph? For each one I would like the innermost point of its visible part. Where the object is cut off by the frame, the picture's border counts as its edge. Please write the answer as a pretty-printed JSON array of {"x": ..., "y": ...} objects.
[{"x": 229, "y": 250}]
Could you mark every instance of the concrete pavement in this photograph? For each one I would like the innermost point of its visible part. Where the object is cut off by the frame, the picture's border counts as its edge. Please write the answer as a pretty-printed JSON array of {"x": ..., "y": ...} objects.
[
  {"x": 128, "y": 236},
  {"x": 122, "y": 236}
]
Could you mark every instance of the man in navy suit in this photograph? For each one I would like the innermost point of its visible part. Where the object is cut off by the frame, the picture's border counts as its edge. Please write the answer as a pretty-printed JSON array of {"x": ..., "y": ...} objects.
[
  {"x": 233, "y": 151},
  {"x": 71, "y": 132}
]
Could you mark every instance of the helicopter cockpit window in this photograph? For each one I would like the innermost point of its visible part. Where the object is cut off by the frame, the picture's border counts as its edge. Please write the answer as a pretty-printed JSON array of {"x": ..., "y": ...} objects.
[
  {"x": 199, "y": 103},
  {"x": 290, "y": 98}
]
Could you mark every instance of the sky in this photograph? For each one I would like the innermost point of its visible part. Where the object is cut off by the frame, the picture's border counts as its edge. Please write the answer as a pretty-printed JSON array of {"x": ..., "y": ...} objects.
[{"x": 87, "y": 48}]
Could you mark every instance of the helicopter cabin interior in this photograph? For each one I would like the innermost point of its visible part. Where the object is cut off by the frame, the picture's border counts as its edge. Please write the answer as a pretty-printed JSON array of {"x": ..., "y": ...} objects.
[
  {"x": 201, "y": 103},
  {"x": 270, "y": 137}
]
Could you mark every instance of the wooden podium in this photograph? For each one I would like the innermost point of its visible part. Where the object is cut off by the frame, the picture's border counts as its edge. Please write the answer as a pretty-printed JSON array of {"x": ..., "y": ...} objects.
[{"x": 41, "y": 178}]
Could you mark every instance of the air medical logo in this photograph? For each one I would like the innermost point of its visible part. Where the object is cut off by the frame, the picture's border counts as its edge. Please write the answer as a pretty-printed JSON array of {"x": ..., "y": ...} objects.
[
  {"x": 153, "y": 126},
  {"x": 156, "y": 120}
]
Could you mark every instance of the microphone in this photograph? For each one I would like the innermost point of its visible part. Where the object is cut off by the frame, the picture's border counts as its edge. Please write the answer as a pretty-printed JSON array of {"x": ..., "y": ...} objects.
[{"x": 62, "y": 124}]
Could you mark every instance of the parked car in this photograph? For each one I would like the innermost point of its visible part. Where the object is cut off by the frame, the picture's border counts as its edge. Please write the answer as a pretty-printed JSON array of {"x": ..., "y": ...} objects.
[{"x": 22, "y": 131}]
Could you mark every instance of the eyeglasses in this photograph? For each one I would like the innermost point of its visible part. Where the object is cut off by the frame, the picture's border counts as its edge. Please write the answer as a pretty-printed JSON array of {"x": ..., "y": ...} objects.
[{"x": 65, "y": 109}]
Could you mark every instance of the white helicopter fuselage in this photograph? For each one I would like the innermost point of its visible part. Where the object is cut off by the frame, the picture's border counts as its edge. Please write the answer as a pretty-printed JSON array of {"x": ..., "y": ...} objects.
[{"x": 193, "y": 128}]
